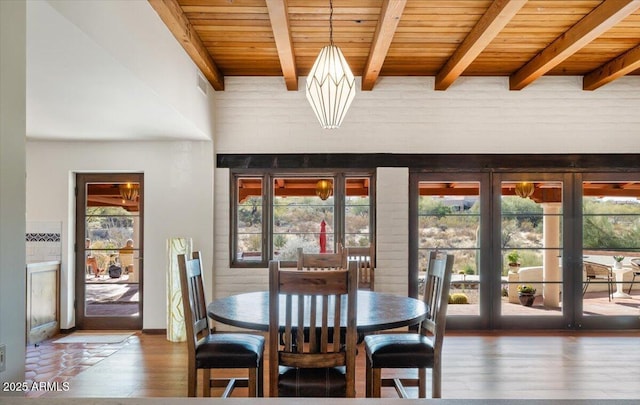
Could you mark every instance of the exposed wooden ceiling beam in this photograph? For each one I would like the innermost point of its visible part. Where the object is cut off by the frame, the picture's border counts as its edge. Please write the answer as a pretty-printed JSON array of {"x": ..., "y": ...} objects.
[
  {"x": 490, "y": 24},
  {"x": 387, "y": 23},
  {"x": 171, "y": 14},
  {"x": 586, "y": 30},
  {"x": 618, "y": 67},
  {"x": 282, "y": 35}
]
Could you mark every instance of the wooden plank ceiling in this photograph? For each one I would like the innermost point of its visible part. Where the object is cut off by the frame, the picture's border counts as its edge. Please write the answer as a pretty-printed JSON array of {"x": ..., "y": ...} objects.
[{"x": 521, "y": 39}]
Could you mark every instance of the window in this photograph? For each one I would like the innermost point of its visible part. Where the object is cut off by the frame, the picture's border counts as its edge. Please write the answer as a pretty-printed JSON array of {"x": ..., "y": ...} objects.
[
  {"x": 277, "y": 213},
  {"x": 610, "y": 243},
  {"x": 357, "y": 212},
  {"x": 531, "y": 247},
  {"x": 249, "y": 219},
  {"x": 301, "y": 218},
  {"x": 449, "y": 220}
]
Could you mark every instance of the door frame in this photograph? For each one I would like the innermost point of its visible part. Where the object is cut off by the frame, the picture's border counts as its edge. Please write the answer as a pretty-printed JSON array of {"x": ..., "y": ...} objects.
[
  {"x": 580, "y": 319},
  {"x": 470, "y": 322},
  {"x": 565, "y": 318},
  {"x": 104, "y": 322}
]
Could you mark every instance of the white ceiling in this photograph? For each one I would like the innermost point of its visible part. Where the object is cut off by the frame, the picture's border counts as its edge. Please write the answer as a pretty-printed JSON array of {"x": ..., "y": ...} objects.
[{"x": 77, "y": 90}]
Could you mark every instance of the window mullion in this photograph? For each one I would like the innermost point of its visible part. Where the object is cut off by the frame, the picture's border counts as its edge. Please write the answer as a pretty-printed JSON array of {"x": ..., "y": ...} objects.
[
  {"x": 267, "y": 209},
  {"x": 339, "y": 208}
]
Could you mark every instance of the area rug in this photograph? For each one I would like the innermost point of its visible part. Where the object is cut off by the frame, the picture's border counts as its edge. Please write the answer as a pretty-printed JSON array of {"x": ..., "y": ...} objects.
[{"x": 94, "y": 337}]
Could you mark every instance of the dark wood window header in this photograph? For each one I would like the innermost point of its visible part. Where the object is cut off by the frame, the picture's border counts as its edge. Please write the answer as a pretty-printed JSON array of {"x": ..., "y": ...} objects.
[{"x": 417, "y": 162}]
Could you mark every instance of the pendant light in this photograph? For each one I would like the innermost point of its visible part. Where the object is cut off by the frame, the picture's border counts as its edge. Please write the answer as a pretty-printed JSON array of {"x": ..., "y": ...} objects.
[
  {"x": 324, "y": 189},
  {"x": 524, "y": 189},
  {"x": 331, "y": 86},
  {"x": 129, "y": 191}
]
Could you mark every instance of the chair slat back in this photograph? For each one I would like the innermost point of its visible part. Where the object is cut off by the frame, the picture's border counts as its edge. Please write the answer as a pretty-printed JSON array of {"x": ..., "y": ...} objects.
[
  {"x": 596, "y": 270},
  {"x": 193, "y": 299},
  {"x": 365, "y": 256},
  {"x": 315, "y": 301},
  {"x": 436, "y": 294},
  {"x": 322, "y": 261}
]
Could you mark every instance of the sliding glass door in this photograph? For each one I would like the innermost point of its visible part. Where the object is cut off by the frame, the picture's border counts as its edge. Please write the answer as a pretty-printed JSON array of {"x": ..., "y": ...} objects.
[
  {"x": 528, "y": 229},
  {"x": 610, "y": 272},
  {"x": 448, "y": 216},
  {"x": 533, "y": 250}
]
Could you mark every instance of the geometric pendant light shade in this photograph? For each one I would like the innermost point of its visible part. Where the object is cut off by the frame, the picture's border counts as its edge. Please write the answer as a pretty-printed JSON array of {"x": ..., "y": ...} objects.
[{"x": 331, "y": 86}]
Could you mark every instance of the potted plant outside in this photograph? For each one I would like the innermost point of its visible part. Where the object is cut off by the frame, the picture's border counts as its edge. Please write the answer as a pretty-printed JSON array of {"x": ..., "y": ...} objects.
[
  {"x": 526, "y": 295},
  {"x": 514, "y": 261},
  {"x": 618, "y": 261}
]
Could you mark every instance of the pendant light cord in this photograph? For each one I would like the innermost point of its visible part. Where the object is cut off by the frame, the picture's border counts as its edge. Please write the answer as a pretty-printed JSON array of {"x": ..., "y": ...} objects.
[{"x": 330, "y": 22}]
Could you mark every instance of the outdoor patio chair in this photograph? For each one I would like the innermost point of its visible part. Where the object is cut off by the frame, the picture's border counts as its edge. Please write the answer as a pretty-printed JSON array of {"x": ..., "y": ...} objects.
[
  {"x": 208, "y": 351},
  {"x": 597, "y": 271},
  {"x": 420, "y": 350},
  {"x": 313, "y": 301},
  {"x": 635, "y": 265}
]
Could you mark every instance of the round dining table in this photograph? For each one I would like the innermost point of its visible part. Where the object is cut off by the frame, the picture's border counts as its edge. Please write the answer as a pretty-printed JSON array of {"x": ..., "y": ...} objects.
[{"x": 376, "y": 311}]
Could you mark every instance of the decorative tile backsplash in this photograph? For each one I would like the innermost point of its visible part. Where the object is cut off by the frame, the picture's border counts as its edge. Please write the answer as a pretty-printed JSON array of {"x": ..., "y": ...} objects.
[
  {"x": 43, "y": 237},
  {"x": 43, "y": 242}
]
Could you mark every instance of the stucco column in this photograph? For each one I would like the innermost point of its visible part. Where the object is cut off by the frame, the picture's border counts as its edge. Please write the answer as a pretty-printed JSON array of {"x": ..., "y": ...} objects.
[{"x": 551, "y": 264}]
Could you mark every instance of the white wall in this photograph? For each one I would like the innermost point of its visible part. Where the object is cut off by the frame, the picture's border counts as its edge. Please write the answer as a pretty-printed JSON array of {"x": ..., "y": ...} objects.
[
  {"x": 91, "y": 61},
  {"x": 178, "y": 203},
  {"x": 405, "y": 115},
  {"x": 392, "y": 230},
  {"x": 12, "y": 189}
]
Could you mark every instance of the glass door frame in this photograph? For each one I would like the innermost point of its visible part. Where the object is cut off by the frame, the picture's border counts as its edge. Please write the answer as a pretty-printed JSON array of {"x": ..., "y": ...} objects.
[
  {"x": 565, "y": 320},
  {"x": 104, "y": 322},
  {"x": 490, "y": 316},
  {"x": 468, "y": 322},
  {"x": 603, "y": 322}
]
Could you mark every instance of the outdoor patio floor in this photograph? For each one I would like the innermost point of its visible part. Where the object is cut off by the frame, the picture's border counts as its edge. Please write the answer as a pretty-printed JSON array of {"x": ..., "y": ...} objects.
[{"x": 595, "y": 303}]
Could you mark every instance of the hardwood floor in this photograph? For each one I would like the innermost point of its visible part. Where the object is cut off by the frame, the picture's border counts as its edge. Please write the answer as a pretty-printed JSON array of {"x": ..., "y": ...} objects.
[{"x": 532, "y": 366}]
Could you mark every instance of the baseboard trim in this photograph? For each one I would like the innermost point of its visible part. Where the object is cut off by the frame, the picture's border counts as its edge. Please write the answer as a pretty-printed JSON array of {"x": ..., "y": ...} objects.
[{"x": 154, "y": 331}]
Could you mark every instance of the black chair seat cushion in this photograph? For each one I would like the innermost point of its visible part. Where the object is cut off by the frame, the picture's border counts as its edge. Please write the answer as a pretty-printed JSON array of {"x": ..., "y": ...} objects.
[
  {"x": 230, "y": 350},
  {"x": 312, "y": 382},
  {"x": 401, "y": 350}
]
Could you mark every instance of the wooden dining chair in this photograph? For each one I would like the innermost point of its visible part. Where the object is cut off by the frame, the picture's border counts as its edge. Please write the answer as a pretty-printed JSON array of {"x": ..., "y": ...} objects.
[
  {"x": 322, "y": 261},
  {"x": 208, "y": 351},
  {"x": 325, "y": 365},
  {"x": 365, "y": 256},
  {"x": 420, "y": 350},
  {"x": 596, "y": 271}
]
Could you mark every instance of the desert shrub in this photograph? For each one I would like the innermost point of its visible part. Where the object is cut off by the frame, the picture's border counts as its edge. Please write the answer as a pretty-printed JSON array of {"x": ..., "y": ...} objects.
[{"x": 458, "y": 298}]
